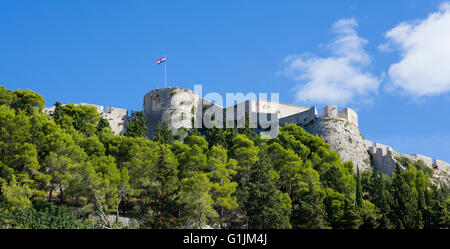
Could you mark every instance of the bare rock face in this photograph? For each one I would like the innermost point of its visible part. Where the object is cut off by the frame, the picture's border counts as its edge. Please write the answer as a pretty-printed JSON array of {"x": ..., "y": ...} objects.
[
  {"x": 442, "y": 171},
  {"x": 343, "y": 137}
]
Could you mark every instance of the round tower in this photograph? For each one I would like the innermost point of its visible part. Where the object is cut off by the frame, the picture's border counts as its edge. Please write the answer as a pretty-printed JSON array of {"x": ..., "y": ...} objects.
[{"x": 173, "y": 105}]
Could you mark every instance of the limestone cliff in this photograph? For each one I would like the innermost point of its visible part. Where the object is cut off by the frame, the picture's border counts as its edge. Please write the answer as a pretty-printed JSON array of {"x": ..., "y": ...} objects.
[{"x": 344, "y": 138}]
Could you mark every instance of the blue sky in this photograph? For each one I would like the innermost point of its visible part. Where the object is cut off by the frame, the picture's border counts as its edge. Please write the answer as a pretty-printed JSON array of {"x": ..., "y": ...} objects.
[{"x": 389, "y": 60}]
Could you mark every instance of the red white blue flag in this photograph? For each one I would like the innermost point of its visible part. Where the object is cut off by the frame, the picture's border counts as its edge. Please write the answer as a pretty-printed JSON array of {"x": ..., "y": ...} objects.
[{"x": 161, "y": 60}]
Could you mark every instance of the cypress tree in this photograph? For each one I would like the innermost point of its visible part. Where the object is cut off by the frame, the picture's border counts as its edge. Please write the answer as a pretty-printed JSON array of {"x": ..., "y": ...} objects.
[
  {"x": 359, "y": 197},
  {"x": 405, "y": 212}
]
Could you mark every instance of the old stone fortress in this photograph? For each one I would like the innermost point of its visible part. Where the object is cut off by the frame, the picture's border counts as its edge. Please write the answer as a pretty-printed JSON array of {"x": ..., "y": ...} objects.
[{"x": 178, "y": 107}]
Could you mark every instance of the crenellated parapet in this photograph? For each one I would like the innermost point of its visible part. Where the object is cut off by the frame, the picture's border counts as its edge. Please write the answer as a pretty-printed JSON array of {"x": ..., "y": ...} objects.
[
  {"x": 330, "y": 111},
  {"x": 382, "y": 158},
  {"x": 347, "y": 114}
]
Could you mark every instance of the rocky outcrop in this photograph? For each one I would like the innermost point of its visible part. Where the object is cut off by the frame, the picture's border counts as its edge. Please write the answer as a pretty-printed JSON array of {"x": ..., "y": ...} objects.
[{"x": 343, "y": 137}]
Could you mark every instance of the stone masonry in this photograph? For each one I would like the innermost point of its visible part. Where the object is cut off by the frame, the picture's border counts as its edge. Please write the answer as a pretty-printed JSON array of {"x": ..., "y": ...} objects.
[
  {"x": 175, "y": 106},
  {"x": 117, "y": 117},
  {"x": 384, "y": 160}
]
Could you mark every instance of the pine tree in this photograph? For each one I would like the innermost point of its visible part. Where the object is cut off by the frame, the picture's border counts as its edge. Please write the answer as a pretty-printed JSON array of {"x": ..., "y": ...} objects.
[
  {"x": 216, "y": 136},
  {"x": 351, "y": 218},
  {"x": 58, "y": 113},
  {"x": 437, "y": 215},
  {"x": 136, "y": 127},
  {"x": 102, "y": 123},
  {"x": 223, "y": 189},
  {"x": 163, "y": 134},
  {"x": 166, "y": 190},
  {"x": 311, "y": 213},
  {"x": 198, "y": 202},
  {"x": 266, "y": 206}
]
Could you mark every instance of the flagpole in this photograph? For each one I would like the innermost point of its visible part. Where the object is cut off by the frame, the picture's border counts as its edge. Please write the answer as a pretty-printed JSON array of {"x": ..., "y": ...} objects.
[{"x": 165, "y": 73}]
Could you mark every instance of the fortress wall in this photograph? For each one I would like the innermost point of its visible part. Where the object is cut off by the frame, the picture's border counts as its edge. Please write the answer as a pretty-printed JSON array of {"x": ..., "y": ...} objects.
[
  {"x": 339, "y": 129},
  {"x": 330, "y": 111},
  {"x": 427, "y": 160},
  {"x": 385, "y": 147},
  {"x": 301, "y": 118},
  {"x": 117, "y": 118},
  {"x": 368, "y": 143},
  {"x": 239, "y": 110},
  {"x": 399, "y": 154},
  {"x": 414, "y": 157},
  {"x": 209, "y": 110},
  {"x": 263, "y": 106},
  {"x": 350, "y": 115},
  {"x": 99, "y": 108},
  {"x": 49, "y": 110},
  {"x": 283, "y": 110},
  {"x": 383, "y": 161}
]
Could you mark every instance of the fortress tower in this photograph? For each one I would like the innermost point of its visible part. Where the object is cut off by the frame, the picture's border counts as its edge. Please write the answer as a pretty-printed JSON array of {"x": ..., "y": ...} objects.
[{"x": 175, "y": 106}]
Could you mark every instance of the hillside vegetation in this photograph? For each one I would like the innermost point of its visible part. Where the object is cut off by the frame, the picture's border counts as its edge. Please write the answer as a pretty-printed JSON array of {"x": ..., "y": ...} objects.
[{"x": 68, "y": 170}]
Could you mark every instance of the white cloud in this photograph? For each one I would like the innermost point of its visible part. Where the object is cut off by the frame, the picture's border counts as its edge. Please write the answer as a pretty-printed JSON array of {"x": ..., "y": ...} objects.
[
  {"x": 424, "y": 45},
  {"x": 340, "y": 78}
]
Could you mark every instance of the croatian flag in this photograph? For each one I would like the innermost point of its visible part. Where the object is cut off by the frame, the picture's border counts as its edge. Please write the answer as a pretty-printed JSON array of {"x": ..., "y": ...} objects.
[{"x": 161, "y": 60}]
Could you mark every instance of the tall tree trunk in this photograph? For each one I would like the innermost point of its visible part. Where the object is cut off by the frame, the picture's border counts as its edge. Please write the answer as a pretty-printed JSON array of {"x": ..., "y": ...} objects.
[
  {"x": 61, "y": 195},
  {"x": 50, "y": 194}
]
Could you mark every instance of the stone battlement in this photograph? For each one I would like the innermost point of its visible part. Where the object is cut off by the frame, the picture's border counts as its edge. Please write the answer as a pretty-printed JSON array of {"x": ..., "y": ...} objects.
[
  {"x": 348, "y": 114},
  {"x": 384, "y": 160}
]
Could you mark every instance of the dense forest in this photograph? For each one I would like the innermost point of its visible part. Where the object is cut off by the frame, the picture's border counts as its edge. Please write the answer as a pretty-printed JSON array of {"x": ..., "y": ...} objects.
[{"x": 68, "y": 170}]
